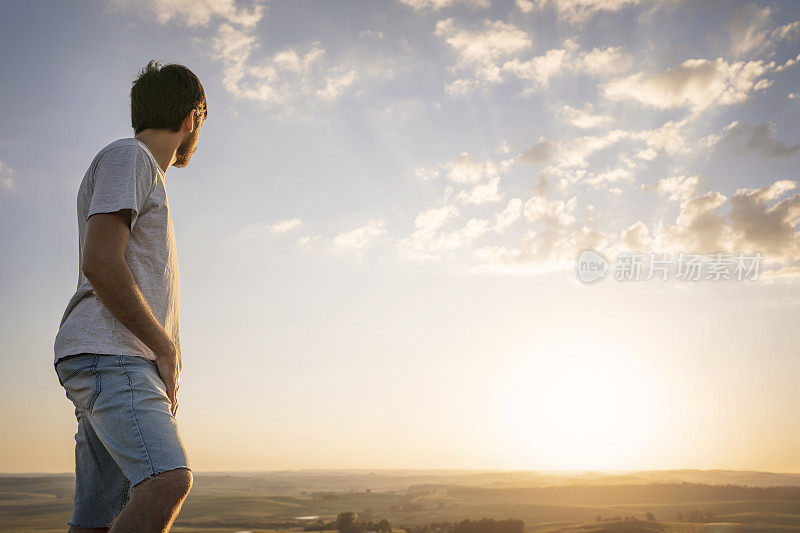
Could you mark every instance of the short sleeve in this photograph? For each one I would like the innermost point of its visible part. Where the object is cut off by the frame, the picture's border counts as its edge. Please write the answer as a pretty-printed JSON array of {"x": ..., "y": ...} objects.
[{"x": 123, "y": 179}]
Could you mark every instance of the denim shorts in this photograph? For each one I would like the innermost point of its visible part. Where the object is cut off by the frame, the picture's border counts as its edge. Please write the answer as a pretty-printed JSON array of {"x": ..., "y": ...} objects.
[{"x": 126, "y": 431}]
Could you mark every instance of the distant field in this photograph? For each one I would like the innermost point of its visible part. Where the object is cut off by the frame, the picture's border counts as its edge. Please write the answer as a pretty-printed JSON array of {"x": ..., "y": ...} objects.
[{"x": 273, "y": 501}]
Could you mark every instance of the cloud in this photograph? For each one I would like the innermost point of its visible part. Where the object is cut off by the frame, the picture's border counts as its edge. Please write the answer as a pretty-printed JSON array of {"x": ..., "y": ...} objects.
[
  {"x": 525, "y": 6},
  {"x": 607, "y": 61},
  {"x": 292, "y": 75},
  {"x": 285, "y": 225},
  {"x": 435, "y": 5},
  {"x": 537, "y": 71},
  {"x": 465, "y": 169},
  {"x": 761, "y": 140},
  {"x": 490, "y": 53},
  {"x": 696, "y": 83},
  {"x": 762, "y": 222},
  {"x": 574, "y": 153},
  {"x": 668, "y": 137},
  {"x": 636, "y": 237},
  {"x": 482, "y": 193},
  {"x": 195, "y": 13},
  {"x": 7, "y": 181},
  {"x": 435, "y": 218},
  {"x": 540, "y": 152},
  {"x": 359, "y": 238},
  {"x": 430, "y": 241},
  {"x": 555, "y": 244},
  {"x": 585, "y": 118},
  {"x": 286, "y": 76},
  {"x": 480, "y": 51},
  {"x": 678, "y": 188},
  {"x": 608, "y": 176},
  {"x": 306, "y": 240},
  {"x": 579, "y": 11},
  {"x": 370, "y": 34},
  {"x": 509, "y": 215},
  {"x": 751, "y": 32},
  {"x": 426, "y": 174},
  {"x": 699, "y": 227}
]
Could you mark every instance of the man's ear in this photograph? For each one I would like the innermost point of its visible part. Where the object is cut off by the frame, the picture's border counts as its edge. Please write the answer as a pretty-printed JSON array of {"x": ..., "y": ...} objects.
[{"x": 188, "y": 122}]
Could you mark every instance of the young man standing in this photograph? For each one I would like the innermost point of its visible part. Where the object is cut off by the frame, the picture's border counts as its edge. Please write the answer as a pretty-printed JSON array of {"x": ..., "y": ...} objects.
[{"x": 117, "y": 352}]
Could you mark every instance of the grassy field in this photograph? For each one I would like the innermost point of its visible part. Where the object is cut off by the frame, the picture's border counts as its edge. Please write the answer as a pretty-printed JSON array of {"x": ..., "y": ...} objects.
[{"x": 275, "y": 501}]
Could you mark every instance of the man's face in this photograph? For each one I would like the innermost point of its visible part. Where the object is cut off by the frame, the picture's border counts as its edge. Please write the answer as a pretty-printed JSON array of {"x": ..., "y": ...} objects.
[{"x": 187, "y": 148}]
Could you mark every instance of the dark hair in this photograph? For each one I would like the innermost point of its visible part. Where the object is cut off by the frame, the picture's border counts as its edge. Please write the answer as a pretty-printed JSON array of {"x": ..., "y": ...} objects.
[{"x": 162, "y": 96}]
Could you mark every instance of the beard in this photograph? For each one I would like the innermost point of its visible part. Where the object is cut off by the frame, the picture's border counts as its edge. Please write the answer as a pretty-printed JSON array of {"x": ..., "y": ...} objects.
[{"x": 184, "y": 152}]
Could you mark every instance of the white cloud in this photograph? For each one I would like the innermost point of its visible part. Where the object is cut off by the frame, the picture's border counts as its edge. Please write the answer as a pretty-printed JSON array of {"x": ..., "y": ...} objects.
[
  {"x": 435, "y": 5},
  {"x": 748, "y": 28},
  {"x": 575, "y": 152},
  {"x": 336, "y": 84},
  {"x": 525, "y": 6},
  {"x": 194, "y": 13},
  {"x": 608, "y": 176},
  {"x": 579, "y": 11},
  {"x": 285, "y": 225},
  {"x": 291, "y": 75},
  {"x": 465, "y": 169},
  {"x": 288, "y": 75},
  {"x": 509, "y": 215},
  {"x": 430, "y": 241},
  {"x": 751, "y": 30},
  {"x": 679, "y": 188},
  {"x": 668, "y": 137},
  {"x": 7, "y": 181},
  {"x": 699, "y": 227},
  {"x": 480, "y": 52},
  {"x": 636, "y": 237},
  {"x": 537, "y": 71},
  {"x": 696, "y": 83},
  {"x": 557, "y": 212},
  {"x": 426, "y": 174},
  {"x": 306, "y": 240},
  {"x": 585, "y": 118},
  {"x": 482, "y": 193},
  {"x": 761, "y": 220},
  {"x": 359, "y": 238},
  {"x": 608, "y": 61},
  {"x": 371, "y": 34},
  {"x": 435, "y": 218}
]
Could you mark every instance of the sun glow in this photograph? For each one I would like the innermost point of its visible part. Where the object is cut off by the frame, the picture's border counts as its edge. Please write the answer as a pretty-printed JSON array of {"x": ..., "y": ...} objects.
[{"x": 576, "y": 402}]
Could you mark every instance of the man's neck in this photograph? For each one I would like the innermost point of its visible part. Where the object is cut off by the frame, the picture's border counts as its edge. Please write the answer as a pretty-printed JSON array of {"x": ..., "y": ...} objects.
[{"x": 162, "y": 144}]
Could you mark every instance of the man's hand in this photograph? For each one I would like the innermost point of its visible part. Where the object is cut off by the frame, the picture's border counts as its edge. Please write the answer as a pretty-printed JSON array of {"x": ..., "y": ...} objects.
[
  {"x": 104, "y": 266},
  {"x": 169, "y": 367}
]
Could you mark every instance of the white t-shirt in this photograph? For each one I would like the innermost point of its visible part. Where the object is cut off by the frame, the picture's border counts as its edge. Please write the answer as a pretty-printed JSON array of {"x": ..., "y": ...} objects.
[{"x": 125, "y": 175}]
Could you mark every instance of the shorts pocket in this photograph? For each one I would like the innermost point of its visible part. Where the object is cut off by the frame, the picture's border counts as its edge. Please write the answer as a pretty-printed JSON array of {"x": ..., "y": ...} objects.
[{"x": 80, "y": 380}]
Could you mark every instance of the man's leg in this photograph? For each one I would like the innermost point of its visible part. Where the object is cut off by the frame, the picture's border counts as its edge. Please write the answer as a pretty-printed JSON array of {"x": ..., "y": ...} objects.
[
  {"x": 154, "y": 503},
  {"x": 101, "y": 488},
  {"x": 128, "y": 415}
]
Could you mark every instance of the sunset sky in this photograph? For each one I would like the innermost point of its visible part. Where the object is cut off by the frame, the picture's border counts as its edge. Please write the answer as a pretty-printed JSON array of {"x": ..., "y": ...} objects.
[{"x": 378, "y": 232}]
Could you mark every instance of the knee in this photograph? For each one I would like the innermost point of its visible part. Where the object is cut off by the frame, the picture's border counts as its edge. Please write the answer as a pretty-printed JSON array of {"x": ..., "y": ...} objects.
[
  {"x": 171, "y": 485},
  {"x": 178, "y": 482}
]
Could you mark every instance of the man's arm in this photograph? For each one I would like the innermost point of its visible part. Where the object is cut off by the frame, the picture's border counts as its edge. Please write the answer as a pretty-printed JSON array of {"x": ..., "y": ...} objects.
[{"x": 105, "y": 267}]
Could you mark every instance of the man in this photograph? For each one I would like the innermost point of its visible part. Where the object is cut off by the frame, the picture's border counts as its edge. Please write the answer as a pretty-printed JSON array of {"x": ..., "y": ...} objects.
[{"x": 117, "y": 352}]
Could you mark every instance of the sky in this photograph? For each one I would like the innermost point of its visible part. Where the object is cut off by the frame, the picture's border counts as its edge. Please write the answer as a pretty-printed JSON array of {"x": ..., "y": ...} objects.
[{"x": 378, "y": 232}]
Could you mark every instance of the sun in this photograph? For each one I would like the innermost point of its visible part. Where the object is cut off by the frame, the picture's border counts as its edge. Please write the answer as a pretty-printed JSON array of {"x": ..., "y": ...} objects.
[{"x": 574, "y": 401}]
